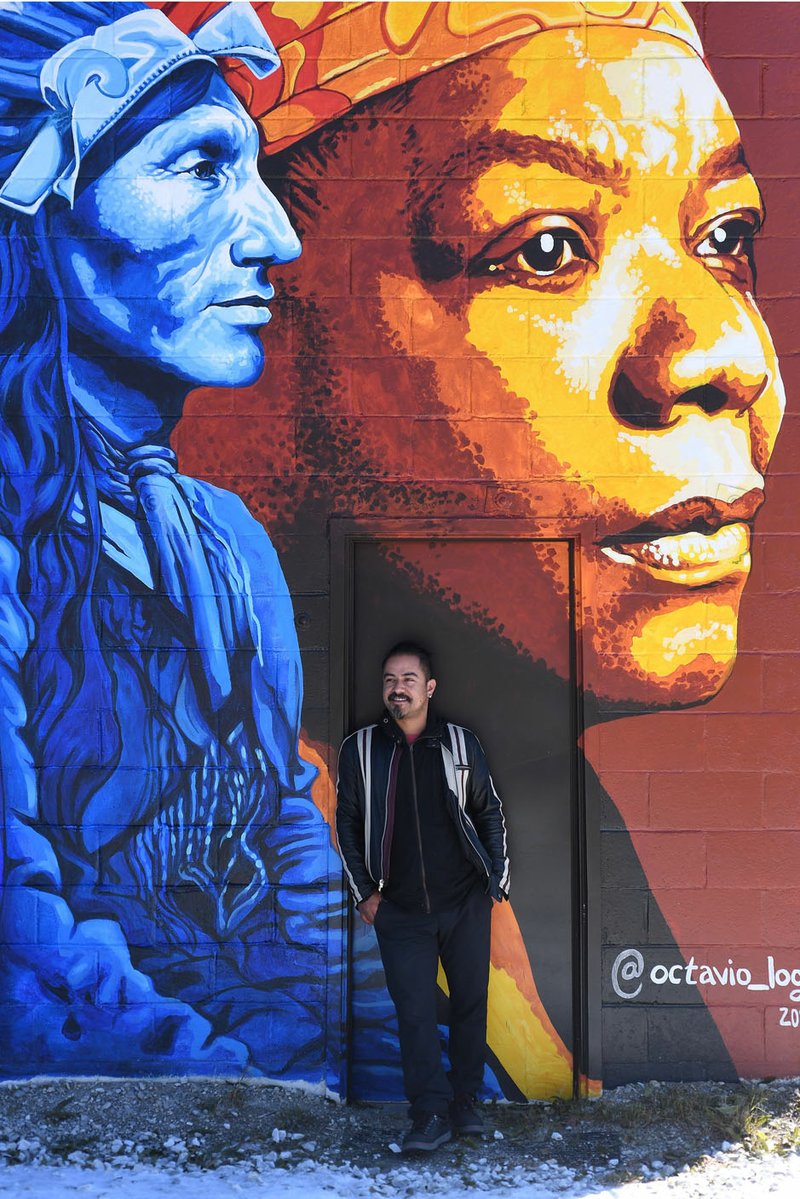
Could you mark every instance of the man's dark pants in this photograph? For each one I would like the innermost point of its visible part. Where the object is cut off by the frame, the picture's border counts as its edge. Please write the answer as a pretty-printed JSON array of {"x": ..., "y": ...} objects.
[{"x": 411, "y": 944}]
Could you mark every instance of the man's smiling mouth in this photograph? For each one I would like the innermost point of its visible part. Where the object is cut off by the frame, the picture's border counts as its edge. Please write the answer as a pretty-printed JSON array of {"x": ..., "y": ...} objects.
[{"x": 694, "y": 543}]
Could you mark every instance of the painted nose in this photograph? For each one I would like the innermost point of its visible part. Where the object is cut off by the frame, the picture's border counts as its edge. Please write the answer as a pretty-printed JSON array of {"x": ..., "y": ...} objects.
[
  {"x": 266, "y": 235},
  {"x": 698, "y": 354}
]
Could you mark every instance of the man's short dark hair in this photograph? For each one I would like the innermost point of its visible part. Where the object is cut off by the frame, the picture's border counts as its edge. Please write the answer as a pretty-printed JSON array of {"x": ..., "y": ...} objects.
[{"x": 417, "y": 651}]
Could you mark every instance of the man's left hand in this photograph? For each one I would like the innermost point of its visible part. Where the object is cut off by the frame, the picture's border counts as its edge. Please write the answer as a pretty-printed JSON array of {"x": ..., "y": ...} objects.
[{"x": 369, "y": 906}]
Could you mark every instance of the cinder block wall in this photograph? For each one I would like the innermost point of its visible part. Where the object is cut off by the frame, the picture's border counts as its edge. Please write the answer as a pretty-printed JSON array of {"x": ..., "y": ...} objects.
[
  {"x": 694, "y": 815},
  {"x": 706, "y": 797},
  {"x": 710, "y": 796}
]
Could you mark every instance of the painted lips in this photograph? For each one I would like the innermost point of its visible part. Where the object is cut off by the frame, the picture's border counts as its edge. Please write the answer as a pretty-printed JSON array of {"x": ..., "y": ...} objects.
[
  {"x": 250, "y": 300},
  {"x": 691, "y": 558},
  {"x": 248, "y": 310},
  {"x": 693, "y": 543}
]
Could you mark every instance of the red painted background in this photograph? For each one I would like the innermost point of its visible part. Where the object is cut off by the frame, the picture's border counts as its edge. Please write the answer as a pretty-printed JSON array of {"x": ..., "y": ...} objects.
[{"x": 708, "y": 795}]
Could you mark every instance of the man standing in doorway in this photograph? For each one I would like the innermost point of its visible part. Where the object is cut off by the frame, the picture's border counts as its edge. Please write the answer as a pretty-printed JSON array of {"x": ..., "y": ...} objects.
[{"x": 423, "y": 841}]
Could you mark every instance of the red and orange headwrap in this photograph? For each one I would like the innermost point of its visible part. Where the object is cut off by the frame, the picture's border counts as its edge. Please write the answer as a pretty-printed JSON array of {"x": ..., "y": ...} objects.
[{"x": 335, "y": 54}]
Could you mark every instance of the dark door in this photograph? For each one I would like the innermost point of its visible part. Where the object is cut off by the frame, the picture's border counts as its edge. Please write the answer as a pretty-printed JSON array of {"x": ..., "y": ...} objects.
[{"x": 498, "y": 615}]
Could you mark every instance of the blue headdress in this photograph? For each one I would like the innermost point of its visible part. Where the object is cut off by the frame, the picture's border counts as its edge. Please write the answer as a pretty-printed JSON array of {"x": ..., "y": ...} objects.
[{"x": 69, "y": 72}]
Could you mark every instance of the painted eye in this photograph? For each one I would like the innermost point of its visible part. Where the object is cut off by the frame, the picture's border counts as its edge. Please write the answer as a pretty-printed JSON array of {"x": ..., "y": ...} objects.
[
  {"x": 550, "y": 251},
  {"x": 554, "y": 251},
  {"x": 205, "y": 169},
  {"x": 731, "y": 238}
]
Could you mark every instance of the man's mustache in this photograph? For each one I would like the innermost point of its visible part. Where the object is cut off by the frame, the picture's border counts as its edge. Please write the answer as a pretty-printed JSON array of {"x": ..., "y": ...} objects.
[{"x": 399, "y": 695}]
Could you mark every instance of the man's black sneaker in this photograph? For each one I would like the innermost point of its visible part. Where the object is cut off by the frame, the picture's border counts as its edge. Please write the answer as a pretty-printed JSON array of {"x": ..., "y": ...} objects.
[
  {"x": 466, "y": 1121},
  {"x": 426, "y": 1133}
]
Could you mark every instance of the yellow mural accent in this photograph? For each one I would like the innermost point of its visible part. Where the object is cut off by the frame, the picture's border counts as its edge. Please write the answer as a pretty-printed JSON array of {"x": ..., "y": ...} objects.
[
  {"x": 675, "y": 640},
  {"x": 519, "y": 1031}
]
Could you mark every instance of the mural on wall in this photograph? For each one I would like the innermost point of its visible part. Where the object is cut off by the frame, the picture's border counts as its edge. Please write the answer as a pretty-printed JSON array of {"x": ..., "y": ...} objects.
[
  {"x": 527, "y": 293},
  {"x": 169, "y": 886},
  {"x": 524, "y": 300}
]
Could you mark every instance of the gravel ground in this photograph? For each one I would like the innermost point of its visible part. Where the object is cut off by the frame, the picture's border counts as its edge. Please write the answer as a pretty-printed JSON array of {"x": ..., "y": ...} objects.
[{"x": 643, "y": 1131}]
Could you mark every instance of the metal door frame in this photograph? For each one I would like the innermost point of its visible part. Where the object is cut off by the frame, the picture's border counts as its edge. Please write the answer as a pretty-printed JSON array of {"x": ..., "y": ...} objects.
[{"x": 345, "y": 534}]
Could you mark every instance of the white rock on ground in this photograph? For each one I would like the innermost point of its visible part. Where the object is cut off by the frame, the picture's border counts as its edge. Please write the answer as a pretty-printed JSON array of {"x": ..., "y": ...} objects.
[
  {"x": 204, "y": 1139},
  {"x": 733, "y": 1176}
]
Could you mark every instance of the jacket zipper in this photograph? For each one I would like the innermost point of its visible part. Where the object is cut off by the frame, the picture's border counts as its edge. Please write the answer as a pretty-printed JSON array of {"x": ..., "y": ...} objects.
[
  {"x": 419, "y": 832},
  {"x": 389, "y": 804}
]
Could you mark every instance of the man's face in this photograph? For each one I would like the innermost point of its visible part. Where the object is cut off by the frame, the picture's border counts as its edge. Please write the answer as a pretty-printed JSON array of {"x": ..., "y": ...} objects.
[
  {"x": 164, "y": 258},
  {"x": 406, "y": 690},
  {"x": 582, "y": 300}
]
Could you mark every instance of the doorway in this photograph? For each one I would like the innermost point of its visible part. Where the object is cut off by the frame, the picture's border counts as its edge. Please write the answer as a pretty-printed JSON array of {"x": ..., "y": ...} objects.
[{"x": 499, "y": 616}]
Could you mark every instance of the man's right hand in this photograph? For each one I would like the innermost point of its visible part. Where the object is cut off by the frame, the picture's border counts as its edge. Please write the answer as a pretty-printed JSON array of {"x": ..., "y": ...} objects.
[{"x": 369, "y": 906}]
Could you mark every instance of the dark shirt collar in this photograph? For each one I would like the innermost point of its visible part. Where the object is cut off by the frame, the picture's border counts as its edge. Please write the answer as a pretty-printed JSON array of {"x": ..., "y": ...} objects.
[{"x": 432, "y": 731}]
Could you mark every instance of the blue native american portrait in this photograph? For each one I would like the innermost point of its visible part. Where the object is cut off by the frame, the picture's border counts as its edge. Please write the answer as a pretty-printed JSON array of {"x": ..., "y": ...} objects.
[{"x": 168, "y": 881}]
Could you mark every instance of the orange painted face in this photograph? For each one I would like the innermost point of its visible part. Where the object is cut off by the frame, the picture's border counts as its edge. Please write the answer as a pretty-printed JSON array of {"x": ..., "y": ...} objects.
[
  {"x": 610, "y": 217},
  {"x": 582, "y": 296}
]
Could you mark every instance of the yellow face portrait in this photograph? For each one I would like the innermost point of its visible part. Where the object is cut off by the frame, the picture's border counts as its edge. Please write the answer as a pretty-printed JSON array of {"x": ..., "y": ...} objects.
[
  {"x": 608, "y": 222},
  {"x": 558, "y": 269},
  {"x": 616, "y": 301}
]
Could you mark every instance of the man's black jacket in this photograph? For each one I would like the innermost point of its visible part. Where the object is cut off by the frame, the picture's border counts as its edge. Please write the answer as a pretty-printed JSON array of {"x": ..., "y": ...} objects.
[{"x": 364, "y": 817}]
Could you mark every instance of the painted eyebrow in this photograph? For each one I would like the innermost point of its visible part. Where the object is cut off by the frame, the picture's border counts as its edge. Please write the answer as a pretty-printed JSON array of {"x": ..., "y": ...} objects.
[
  {"x": 729, "y": 162},
  {"x": 563, "y": 156},
  {"x": 526, "y": 149},
  {"x": 438, "y": 258},
  {"x": 725, "y": 165},
  {"x": 212, "y": 143},
  {"x": 212, "y": 134}
]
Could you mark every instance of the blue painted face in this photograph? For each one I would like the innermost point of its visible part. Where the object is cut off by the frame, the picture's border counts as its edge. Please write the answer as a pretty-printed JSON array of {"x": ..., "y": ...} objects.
[{"x": 164, "y": 258}]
